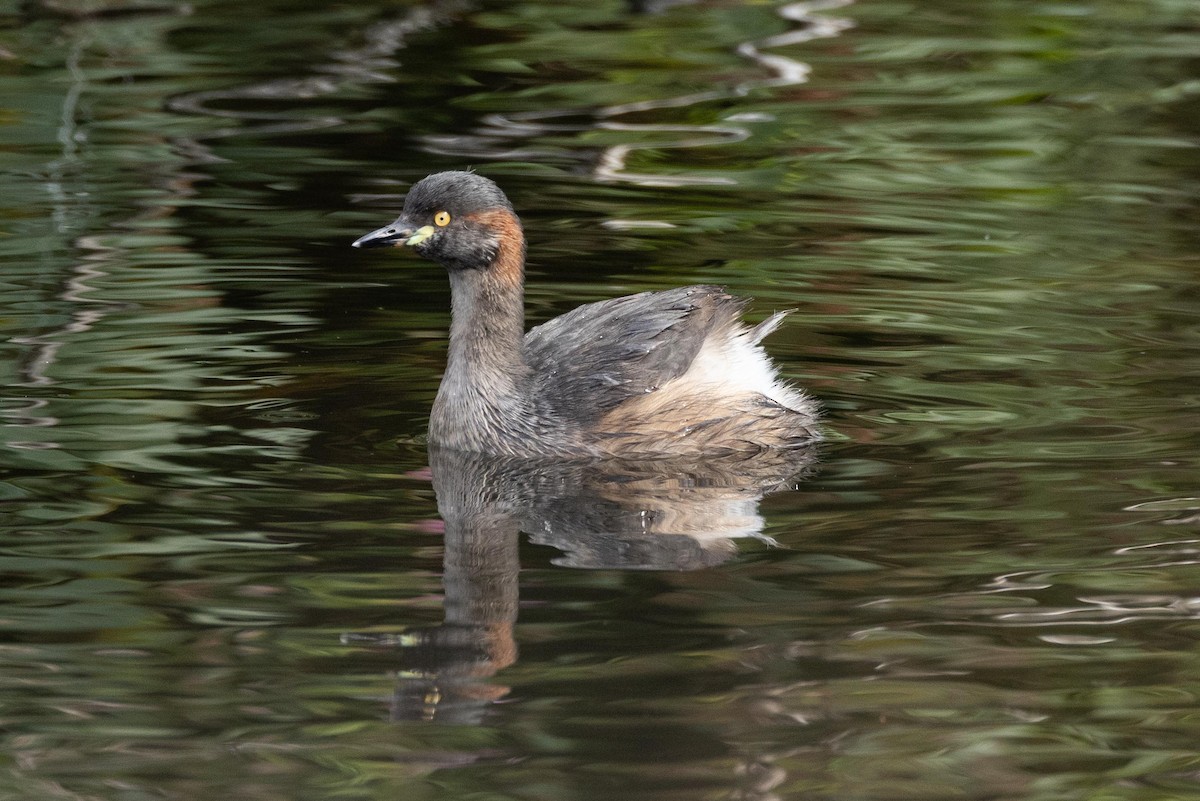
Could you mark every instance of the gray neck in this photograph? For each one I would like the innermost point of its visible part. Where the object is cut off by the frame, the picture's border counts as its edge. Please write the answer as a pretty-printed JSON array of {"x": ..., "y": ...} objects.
[
  {"x": 487, "y": 328},
  {"x": 483, "y": 398}
]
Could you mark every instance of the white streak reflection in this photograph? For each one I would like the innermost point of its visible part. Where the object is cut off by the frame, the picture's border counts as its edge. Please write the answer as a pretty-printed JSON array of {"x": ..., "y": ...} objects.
[{"x": 495, "y": 138}]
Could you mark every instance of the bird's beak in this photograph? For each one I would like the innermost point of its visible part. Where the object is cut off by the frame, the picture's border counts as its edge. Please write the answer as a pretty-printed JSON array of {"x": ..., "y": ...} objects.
[{"x": 394, "y": 235}]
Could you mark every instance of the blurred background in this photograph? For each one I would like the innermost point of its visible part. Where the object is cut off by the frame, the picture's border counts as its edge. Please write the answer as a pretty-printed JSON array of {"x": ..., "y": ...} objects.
[{"x": 225, "y": 573}]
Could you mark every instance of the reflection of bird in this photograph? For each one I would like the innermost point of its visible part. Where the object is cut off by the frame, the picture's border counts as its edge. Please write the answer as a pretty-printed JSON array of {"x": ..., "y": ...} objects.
[
  {"x": 611, "y": 514},
  {"x": 643, "y": 514},
  {"x": 658, "y": 373}
]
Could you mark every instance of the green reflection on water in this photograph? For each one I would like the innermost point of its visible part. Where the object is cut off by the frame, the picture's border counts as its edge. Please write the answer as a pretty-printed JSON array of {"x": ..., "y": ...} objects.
[{"x": 220, "y": 564}]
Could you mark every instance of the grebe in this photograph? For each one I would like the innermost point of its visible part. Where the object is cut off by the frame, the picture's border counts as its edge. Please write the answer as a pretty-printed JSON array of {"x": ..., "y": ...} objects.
[{"x": 671, "y": 373}]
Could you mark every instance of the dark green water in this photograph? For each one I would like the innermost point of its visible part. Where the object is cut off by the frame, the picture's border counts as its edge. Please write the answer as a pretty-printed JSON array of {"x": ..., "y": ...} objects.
[{"x": 225, "y": 572}]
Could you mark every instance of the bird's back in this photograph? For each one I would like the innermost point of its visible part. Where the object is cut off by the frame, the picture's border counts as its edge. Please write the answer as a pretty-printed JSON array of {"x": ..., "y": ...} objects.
[{"x": 665, "y": 372}]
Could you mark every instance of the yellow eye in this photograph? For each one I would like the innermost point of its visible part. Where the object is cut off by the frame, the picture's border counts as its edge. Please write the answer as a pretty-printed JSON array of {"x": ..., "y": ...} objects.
[{"x": 441, "y": 219}]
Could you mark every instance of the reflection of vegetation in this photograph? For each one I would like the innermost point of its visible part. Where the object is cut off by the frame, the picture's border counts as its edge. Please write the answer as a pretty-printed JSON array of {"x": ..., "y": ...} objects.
[
  {"x": 984, "y": 210},
  {"x": 122, "y": 339}
]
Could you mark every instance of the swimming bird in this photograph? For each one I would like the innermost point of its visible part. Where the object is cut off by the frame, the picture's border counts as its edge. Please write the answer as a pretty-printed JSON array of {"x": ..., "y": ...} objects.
[{"x": 656, "y": 374}]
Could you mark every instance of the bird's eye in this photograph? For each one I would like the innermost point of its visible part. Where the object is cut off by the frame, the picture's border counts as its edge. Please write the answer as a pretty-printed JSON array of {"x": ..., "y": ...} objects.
[{"x": 441, "y": 219}]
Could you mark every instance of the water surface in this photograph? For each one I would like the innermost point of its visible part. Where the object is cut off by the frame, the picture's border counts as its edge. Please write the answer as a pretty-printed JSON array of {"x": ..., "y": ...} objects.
[{"x": 232, "y": 568}]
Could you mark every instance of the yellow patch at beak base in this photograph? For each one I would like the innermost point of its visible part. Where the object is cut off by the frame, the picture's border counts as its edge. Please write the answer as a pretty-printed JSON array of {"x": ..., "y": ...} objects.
[{"x": 420, "y": 235}]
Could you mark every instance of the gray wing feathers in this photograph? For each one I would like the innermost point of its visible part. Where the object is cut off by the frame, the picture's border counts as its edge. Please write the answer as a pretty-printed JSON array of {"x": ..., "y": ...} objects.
[{"x": 590, "y": 360}]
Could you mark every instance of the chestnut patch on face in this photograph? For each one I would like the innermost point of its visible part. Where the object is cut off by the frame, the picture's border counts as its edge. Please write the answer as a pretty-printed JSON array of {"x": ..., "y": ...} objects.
[{"x": 509, "y": 263}]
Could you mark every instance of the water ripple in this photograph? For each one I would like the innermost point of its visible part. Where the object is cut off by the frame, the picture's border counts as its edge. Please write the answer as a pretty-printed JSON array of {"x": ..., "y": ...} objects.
[
  {"x": 370, "y": 63},
  {"x": 496, "y": 138},
  {"x": 1108, "y": 594}
]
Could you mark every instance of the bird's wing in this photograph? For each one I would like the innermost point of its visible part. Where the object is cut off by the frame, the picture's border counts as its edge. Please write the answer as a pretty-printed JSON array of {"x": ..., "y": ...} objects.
[{"x": 590, "y": 360}]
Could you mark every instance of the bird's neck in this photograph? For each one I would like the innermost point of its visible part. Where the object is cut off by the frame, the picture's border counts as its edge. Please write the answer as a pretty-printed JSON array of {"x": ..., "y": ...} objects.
[{"x": 487, "y": 326}]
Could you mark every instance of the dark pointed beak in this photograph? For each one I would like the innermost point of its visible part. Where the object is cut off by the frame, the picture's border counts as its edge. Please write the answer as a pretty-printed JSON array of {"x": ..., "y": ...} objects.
[{"x": 392, "y": 235}]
